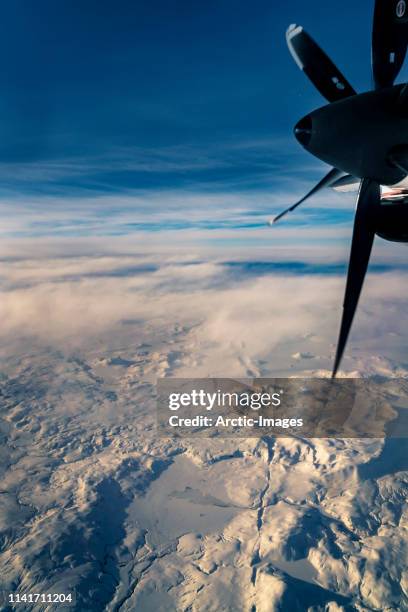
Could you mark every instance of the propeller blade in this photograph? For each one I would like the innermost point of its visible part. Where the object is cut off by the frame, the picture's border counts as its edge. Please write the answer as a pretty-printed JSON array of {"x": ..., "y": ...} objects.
[
  {"x": 362, "y": 242},
  {"x": 389, "y": 40},
  {"x": 314, "y": 62},
  {"x": 346, "y": 183},
  {"x": 326, "y": 181}
]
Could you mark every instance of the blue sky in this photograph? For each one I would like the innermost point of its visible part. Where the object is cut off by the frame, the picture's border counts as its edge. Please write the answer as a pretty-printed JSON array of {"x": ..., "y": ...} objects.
[
  {"x": 110, "y": 96},
  {"x": 171, "y": 119}
]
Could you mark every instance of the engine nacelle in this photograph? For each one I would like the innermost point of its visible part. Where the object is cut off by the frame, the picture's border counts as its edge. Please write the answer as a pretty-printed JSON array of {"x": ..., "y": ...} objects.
[{"x": 391, "y": 219}]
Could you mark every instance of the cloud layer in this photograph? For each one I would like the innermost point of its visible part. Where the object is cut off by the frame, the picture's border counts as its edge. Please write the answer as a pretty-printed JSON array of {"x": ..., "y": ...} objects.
[{"x": 235, "y": 319}]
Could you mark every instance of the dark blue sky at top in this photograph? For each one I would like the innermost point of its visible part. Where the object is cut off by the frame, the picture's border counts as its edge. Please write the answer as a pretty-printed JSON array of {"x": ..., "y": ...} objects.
[{"x": 101, "y": 82}]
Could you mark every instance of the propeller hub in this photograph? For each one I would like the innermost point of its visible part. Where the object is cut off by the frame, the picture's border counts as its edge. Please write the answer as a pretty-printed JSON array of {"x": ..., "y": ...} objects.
[
  {"x": 357, "y": 134},
  {"x": 303, "y": 130}
]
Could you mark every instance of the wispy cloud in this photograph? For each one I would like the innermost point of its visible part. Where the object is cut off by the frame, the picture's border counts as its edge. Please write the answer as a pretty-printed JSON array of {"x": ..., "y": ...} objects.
[
  {"x": 232, "y": 164},
  {"x": 165, "y": 209}
]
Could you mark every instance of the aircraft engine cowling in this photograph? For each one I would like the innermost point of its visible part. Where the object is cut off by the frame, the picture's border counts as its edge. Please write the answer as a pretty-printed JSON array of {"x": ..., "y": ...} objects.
[{"x": 391, "y": 219}]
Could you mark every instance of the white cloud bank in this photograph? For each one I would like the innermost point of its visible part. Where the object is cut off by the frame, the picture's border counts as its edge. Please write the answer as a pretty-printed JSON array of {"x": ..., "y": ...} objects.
[{"x": 236, "y": 323}]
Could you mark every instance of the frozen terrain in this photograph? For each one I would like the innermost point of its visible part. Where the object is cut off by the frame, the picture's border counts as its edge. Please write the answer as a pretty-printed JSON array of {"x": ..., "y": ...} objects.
[{"x": 92, "y": 502}]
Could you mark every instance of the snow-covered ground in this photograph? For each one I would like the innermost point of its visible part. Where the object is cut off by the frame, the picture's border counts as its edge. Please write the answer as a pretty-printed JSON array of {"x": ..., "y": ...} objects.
[{"x": 92, "y": 501}]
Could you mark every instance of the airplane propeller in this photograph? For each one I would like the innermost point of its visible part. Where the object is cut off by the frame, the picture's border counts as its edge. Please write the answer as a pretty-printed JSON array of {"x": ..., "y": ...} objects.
[
  {"x": 389, "y": 41},
  {"x": 330, "y": 178},
  {"x": 314, "y": 62},
  {"x": 363, "y": 237},
  {"x": 389, "y": 45}
]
